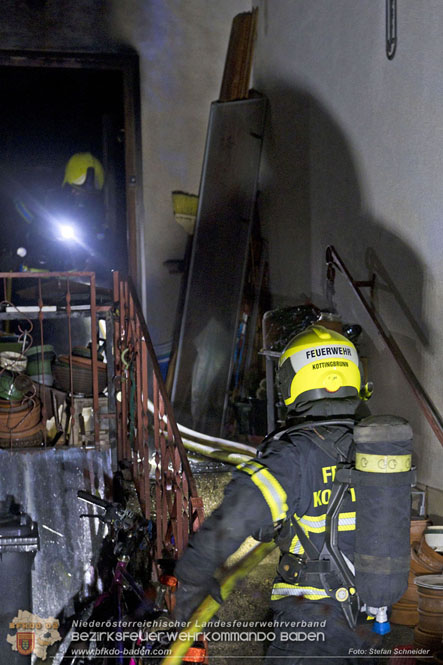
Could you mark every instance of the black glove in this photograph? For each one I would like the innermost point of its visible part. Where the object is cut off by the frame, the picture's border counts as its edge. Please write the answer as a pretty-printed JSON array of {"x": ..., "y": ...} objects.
[{"x": 187, "y": 598}]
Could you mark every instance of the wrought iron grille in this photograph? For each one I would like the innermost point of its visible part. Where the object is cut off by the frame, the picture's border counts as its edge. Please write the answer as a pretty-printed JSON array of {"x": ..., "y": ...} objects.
[{"x": 147, "y": 433}]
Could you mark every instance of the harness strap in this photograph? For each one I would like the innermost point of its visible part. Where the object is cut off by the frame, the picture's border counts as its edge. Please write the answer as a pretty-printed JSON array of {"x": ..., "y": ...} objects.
[
  {"x": 355, "y": 478},
  {"x": 308, "y": 546},
  {"x": 323, "y": 574}
]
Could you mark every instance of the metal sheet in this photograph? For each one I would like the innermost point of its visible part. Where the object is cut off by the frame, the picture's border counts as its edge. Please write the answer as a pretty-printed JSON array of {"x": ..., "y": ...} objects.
[
  {"x": 216, "y": 275},
  {"x": 45, "y": 484}
]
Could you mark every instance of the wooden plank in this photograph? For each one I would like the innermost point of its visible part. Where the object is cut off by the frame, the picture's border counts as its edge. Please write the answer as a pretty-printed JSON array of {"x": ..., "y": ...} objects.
[{"x": 238, "y": 64}]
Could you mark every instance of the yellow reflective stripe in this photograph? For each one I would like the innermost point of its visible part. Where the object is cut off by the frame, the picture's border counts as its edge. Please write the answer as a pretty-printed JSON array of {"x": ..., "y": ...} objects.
[
  {"x": 321, "y": 518},
  {"x": 272, "y": 491},
  {"x": 296, "y": 547},
  {"x": 317, "y": 523},
  {"x": 315, "y": 526},
  {"x": 309, "y": 597},
  {"x": 314, "y": 518},
  {"x": 250, "y": 467},
  {"x": 382, "y": 463},
  {"x": 281, "y": 590},
  {"x": 346, "y": 521}
]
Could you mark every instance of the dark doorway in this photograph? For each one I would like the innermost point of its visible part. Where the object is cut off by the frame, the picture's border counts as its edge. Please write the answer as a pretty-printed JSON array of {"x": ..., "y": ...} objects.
[{"x": 47, "y": 115}]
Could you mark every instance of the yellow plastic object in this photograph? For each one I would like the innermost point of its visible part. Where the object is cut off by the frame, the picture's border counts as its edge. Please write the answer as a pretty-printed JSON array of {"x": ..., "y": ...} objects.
[
  {"x": 184, "y": 204},
  {"x": 77, "y": 168},
  {"x": 185, "y": 210},
  {"x": 209, "y": 606}
]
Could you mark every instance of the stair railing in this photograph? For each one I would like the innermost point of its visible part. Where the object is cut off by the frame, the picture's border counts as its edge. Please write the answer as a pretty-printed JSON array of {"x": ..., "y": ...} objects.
[
  {"x": 430, "y": 411},
  {"x": 151, "y": 442}
]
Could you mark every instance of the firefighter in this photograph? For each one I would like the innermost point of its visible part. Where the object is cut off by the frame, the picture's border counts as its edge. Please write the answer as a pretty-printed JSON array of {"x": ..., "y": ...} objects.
[
  {"x": 286, "y": 487},
  {"x": 83, "y": 191},
  {"x": 84, "y": 172},
  {"x": 64, "y": 228}
]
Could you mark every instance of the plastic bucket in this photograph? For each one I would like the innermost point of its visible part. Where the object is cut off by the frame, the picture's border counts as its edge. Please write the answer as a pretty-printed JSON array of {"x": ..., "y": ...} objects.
[
  {"x": 35, "y": 355},
  {"x": 46, "y": 379}
]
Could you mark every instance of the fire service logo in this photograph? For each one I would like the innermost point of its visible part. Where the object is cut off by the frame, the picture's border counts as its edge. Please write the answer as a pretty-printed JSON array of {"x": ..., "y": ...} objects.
[
  {"x": 25, "y": 643},
  {"x": 33, "y": 634}
]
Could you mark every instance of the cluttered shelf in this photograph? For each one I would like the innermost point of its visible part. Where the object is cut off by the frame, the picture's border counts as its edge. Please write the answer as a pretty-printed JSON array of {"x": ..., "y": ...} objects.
[{"x": 54, "y": 390}]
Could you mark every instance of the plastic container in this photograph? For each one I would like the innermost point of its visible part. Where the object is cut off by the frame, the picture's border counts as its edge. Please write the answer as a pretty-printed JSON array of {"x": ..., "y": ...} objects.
[
  {"x": 46, "y": 379},
  {"x": 434, "y": 537},
  {"x": 16, "y": 347},
  {"x": 8, "y": 390},
  {"x": 163, "y": 353},
  {"x": 35, "y": 356}
]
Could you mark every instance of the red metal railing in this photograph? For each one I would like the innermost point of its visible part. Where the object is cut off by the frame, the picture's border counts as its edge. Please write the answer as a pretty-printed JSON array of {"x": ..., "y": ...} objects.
[
  {"x": 138, "y": 408},
  {"x": 147, "y": 432}
]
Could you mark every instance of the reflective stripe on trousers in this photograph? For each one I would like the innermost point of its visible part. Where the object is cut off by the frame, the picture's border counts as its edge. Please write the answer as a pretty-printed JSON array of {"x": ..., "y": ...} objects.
[{"x": 282, "y": 590}]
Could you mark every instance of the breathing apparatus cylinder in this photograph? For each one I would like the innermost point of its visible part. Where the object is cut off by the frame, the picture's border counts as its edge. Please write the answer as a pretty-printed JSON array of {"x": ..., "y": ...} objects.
[{"x": 382, "y": 481}]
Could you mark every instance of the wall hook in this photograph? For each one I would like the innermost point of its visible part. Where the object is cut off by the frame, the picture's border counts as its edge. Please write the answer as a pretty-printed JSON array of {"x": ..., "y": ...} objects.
[{"x": 391, "y": 28}]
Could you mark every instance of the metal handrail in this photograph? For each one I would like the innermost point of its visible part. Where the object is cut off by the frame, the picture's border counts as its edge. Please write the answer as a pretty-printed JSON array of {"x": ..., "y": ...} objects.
[
  {"x": 178, "y": 508},
  {"x": 430, "y": 411}
]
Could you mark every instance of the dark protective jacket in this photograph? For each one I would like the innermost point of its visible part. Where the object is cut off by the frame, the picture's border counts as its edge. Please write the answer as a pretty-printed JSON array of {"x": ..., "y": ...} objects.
[{"x": 292, "y": 480}]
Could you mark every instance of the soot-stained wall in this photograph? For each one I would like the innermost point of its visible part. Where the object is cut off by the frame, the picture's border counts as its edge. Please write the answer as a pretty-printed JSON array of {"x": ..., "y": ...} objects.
[{"x": 353, "y": 157}]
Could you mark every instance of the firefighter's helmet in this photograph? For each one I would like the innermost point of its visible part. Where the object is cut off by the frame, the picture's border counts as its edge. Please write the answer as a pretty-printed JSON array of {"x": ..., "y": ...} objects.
[
  {"x": 78, "y": 169},
  {"x": 317, "y": 364}
]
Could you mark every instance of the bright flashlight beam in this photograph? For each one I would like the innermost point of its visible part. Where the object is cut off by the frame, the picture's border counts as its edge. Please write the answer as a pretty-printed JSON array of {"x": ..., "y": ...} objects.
[{"x": 67, "y": 232}]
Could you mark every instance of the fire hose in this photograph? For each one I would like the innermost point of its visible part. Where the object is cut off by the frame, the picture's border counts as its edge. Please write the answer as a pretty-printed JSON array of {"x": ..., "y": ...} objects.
[
  {"x": 209, "y": 606},
  {"x": 223, "y": 450}
]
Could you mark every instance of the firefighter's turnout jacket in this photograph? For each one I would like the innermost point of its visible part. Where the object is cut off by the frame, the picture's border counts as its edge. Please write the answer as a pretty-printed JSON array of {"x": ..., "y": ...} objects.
[{"x": 292, "y": 480}]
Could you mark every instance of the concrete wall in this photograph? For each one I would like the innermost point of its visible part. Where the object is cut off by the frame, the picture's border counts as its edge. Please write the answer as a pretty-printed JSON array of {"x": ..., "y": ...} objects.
[
  {"x": 354, "y": 157},
  {"x": 55, "y": 25},
  {"x": 182, "y": 48}
]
